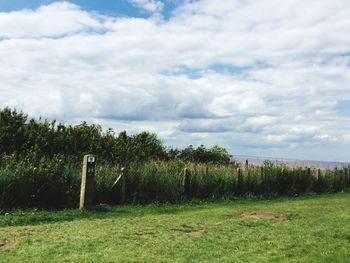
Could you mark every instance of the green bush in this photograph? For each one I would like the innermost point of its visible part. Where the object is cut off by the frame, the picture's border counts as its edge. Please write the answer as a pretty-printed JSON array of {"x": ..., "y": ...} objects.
[
  {"x": 44, "y": 182},
  {"x": 21, "y": 136}
]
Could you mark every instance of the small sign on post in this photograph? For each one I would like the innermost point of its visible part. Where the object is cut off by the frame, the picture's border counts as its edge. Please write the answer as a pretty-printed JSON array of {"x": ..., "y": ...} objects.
[{"x": 87, "y": 182}]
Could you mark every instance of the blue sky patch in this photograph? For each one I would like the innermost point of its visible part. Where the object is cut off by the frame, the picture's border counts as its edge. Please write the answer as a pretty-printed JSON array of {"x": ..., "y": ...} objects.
[
  {"x": 191, "y": 73},
  {"x": 105, "y": 7},
  {"x": 228, "y": 69},
  {"x": 234, "y": 69},
  {"x": 343, "y": 107}
]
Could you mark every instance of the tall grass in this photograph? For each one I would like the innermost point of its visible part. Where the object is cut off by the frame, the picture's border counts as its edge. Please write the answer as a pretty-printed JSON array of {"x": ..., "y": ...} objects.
[
  {"x": 55, "y": 182},
  {"x": 43, "y": 183}
]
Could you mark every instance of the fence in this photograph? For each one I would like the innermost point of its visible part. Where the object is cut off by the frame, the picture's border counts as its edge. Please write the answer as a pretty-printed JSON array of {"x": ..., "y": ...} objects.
[
  {"x": 57, "y": 184},
  {"x": 259, "y": 160}
]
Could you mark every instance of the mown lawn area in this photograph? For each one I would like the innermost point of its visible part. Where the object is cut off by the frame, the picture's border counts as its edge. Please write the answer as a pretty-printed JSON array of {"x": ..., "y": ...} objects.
[{"x": 317, "y": 229}]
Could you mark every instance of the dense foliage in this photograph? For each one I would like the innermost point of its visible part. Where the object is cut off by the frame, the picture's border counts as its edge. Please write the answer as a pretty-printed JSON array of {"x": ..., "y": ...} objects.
[{"x": 21, "y": 136}]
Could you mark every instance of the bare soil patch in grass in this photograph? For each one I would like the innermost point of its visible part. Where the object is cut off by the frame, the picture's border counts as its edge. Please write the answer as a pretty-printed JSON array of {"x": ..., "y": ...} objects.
[
  {"x": 196, "y": 232},
  {"x": 7, "y": 244},
  {"x": 264, "y": 215}
]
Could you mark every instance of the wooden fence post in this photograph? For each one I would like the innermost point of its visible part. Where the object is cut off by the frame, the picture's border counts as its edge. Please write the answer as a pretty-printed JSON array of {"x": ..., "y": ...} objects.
[
  {"x": 346, "y": 176},
  {"x": 186, "y": 182},
  {"x": 318, "y": 174},
  {"x": 87, "y": 182},
  {"x": 239, "y": 176},
  {"x": 124, "y": 175},
  {"x": 257, "y": 175},
  {"x": 336, "y": 179}
]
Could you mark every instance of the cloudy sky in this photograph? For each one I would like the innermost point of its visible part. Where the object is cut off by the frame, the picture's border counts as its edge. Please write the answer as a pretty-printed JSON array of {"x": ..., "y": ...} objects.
[{"x": 264, "y": 77}]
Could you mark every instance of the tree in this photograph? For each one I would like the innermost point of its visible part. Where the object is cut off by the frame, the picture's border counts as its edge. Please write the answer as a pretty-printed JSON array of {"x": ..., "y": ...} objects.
[{"x": 12, "y": 131}]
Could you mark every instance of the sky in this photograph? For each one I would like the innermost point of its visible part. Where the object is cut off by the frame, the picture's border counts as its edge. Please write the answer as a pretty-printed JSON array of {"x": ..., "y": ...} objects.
[{"x": 269, "y": 77}]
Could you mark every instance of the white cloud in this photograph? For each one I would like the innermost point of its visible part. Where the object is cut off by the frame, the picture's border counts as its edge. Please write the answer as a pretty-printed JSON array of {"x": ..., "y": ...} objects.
[
  {"x": 284, "y": 72},
  {"x": 148, "y": 5},
  {"x": 53, "y": 20}
]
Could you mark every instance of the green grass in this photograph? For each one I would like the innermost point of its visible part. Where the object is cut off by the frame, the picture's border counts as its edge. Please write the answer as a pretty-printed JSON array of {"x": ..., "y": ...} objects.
[{"x": 317, "y": 230}]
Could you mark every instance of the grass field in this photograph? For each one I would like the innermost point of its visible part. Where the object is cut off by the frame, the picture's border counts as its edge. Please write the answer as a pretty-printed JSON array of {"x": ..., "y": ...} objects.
[{"x": 317, "y": 229}]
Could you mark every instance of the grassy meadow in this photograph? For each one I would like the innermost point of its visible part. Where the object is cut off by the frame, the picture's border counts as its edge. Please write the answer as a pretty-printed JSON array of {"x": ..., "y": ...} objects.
[{"x": 316, "y": 229}]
